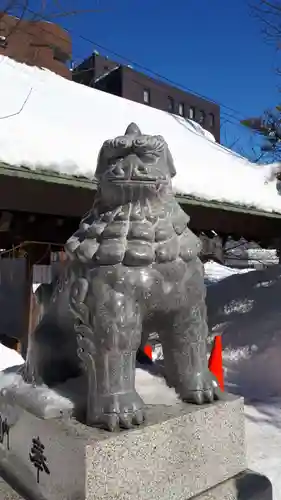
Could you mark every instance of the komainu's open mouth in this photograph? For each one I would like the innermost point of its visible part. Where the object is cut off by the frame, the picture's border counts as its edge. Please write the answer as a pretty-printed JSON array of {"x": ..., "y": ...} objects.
[
  {"x": 133, "y": 181},
  {"x": 137, "y": 180}
]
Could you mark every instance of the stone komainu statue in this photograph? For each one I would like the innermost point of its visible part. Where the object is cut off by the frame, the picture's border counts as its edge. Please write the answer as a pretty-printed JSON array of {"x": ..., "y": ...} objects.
[{"x": 133, "y": 269}]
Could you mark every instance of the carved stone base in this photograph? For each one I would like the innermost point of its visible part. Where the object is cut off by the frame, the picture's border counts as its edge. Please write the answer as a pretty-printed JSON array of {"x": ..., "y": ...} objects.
[
  {"x": 245, "y": 486},
  {"x": 182, "y": 451}
]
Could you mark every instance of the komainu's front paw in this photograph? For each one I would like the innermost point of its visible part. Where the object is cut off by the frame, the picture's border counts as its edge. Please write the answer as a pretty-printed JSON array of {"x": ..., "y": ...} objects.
[
  {"x": 111, "y": 412},
  {"x": 201, "y": 388}
]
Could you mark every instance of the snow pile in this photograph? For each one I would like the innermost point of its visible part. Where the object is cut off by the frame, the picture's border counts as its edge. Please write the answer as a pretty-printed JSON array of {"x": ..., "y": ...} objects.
[
  {"x": 9, "y": 358},
  {"x": 215, "y": 272},
  {"x": 51, "y": 123},
  {"x": 246, "y": 309}
]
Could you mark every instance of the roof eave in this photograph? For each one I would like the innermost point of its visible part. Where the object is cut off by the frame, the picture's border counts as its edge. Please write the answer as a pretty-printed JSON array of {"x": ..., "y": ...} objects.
[{"x": 86, "y": 183}]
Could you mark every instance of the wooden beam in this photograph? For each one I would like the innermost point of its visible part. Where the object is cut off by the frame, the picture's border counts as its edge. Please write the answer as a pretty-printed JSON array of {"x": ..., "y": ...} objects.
[
  {"x": 5, "y": 221},
  {"x": 27, "y": 195},
  {"x": 41, "y": 228},
  {"x": 47, "y": 212},
  {"x": 251, "y": 227},
  {"x": 35, "y": 254}
]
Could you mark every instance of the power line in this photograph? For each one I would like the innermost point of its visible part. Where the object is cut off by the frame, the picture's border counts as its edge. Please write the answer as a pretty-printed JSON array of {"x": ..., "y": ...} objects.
[
  {"x": 172, "y": 82},
  {"x": 90, "y": 69},
  {"x": 223, "y": 113},
  {"x": 144, "y": 68}
]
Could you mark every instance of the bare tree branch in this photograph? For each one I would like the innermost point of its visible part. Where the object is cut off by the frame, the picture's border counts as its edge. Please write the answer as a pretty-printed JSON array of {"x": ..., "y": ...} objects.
[
  {"x": 23, "y": 12},
  {"x": 51, "y": 9},
  {"x": 56, "y": 9},
  {"x": 74, "y": 13},
  {"x": 268, "y": 129},
  {"x": 268, "y": 14}
]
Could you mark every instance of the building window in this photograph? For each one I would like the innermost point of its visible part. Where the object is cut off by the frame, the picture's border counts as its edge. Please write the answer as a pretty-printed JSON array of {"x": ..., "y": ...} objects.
[
  {"x": 201, "y": 117},
  {"x": 191, "y": 113},
  {"x": 211, "y": 120},
  {"x": 171, "y": 105},
  {"x": 60, "y": 55},
  {"x": 181, "y": 109},
  {"x": 146, "y": 96}
]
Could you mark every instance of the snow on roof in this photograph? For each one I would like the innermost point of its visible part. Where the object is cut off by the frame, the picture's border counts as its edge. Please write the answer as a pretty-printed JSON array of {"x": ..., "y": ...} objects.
[{"x": 51, "y": 123}]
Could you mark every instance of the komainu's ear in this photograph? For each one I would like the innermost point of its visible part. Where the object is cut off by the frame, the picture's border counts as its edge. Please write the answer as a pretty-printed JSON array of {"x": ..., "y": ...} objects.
[{"x": 170, "y": 163}]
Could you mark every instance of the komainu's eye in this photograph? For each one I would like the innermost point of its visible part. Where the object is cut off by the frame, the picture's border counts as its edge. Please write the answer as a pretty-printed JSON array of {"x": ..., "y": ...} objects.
[
  {"x": 117, "y": 169},
  {"x": 142, "y": 169}
]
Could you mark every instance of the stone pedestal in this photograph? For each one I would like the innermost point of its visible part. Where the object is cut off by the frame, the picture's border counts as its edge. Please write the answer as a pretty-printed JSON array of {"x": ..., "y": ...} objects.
[{"x": 181, "y": 452}]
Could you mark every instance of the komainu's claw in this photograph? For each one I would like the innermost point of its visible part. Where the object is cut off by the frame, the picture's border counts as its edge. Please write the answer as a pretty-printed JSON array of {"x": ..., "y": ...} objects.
[
  {"x": 201, "y": 389},
  {"x": 118, "y": 411}
]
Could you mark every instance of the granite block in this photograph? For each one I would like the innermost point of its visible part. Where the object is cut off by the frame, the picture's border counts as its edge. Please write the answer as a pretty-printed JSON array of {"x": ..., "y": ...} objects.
[
  {"x": 245, "y": 486},
  {"x": 181, "y": 451},
  {"x": 7, "y": 493}
]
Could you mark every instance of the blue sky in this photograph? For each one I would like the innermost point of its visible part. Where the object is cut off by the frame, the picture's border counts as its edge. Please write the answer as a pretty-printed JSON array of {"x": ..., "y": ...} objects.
[{"x": 212, "y": 47}]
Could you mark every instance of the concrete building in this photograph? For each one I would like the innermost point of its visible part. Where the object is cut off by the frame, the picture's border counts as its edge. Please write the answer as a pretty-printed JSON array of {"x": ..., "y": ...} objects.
[{"x": 124, "y": 81}]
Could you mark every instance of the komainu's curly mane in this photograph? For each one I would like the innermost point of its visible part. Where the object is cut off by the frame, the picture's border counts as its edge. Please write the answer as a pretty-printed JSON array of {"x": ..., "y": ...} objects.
[
  {"x": 135, "y": 219},
  {"x": 135, "y": 234}
]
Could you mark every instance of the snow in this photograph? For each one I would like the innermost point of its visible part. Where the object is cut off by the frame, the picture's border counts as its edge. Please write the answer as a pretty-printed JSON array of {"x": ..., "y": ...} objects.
[
  {"x": 215, "y": 272},
  {"x": 51, "y": 123},
  {"x": 245, "y": 309},
  {"x": 9, "y": 358}
]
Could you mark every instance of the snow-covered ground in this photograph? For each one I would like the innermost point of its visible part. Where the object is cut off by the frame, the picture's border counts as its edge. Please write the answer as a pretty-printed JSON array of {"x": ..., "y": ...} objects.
[
  {"x": 51, "y": 123},
  {"x": 245, "y": 309}
]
